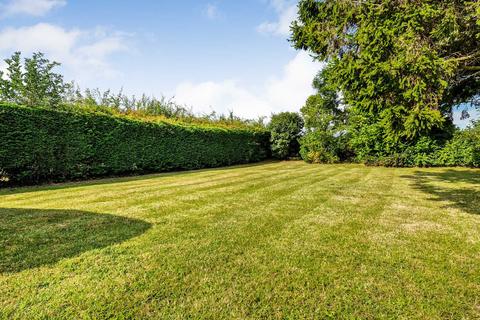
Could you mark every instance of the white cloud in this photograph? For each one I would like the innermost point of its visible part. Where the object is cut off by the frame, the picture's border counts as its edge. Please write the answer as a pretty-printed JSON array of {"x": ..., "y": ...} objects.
[
  {"x": 295, "y": 85},
  {"x": 30, "y": 7},
  {"x": 285, "y": 93},
  {"x": 221, "y": 97},
  {"x": 84, "y": 54},
  {"x": 287, "y": 12},
  {"x": 211, "y": 12}
]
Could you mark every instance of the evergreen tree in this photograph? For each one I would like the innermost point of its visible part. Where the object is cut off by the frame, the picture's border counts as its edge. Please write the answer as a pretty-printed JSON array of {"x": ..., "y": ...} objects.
[{"x": 401, "y": 66}]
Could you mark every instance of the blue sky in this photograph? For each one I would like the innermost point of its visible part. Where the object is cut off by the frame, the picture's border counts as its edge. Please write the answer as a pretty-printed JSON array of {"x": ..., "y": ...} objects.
[
  {"x": 212, "y": 55},
  {"x": 217, "y": 55}
]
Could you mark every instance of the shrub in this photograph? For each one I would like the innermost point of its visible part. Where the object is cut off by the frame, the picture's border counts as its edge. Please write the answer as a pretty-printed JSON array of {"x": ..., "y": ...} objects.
[
  {"x": 395, "y": 160},
  {"x": 463, "y": 149},
  {"x": 286, "y": 128},
  {"x": 40, "y": 145},
  {"x": 423, "y": 153},
  {"x": 280, "y": 144},
  {"x": 318, "y": 147}
]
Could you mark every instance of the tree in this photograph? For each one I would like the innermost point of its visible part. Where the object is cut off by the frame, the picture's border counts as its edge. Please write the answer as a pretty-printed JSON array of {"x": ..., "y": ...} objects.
[
  {"x": 400, "y": 65},
  {"x": 34, "y": 83},
  {"x": 326, "y": 137},
  {"x": 286, "y": 129}
]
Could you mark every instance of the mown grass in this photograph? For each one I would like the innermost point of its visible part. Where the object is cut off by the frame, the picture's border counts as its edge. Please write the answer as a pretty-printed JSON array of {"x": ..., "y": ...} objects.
[{"x": 275, "y": 240}]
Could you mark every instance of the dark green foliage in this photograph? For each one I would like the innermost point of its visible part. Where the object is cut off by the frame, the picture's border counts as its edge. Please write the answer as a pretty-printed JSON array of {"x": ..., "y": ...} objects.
[
  {"x": 400, "y": 65},
  {"x": 286, "y": 129},
  {"x": 423, "y": 153},
  {"x": 46, "y": 145},
  {"x": 462, "y": 150}
]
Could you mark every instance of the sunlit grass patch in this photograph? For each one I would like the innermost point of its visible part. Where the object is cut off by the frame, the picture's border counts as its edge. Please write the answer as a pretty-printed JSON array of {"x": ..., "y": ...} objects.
[{"x": 275, "y": 240}]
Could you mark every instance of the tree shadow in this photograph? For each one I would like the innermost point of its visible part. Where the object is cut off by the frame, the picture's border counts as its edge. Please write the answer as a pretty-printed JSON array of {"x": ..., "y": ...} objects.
[
  {"x": 31, "y": 238},
  {"x": 459, "y": 187}
]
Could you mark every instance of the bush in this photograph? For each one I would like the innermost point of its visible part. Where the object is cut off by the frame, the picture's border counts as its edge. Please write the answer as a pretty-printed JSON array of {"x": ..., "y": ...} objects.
[
  {"x": 463, "y": 149},
  {"x": 40, "y": 145},
  {"x": 326, "y": 138},
  {"x": 280, "y": 144},
  {"x": 318, "y": 147},
  {"x": 286, "y": 128},
  {"x": 423, "y": 153}
]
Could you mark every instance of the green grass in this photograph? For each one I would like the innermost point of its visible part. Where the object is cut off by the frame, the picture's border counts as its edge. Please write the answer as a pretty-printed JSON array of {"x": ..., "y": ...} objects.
[{"x": 275, "y": 240}]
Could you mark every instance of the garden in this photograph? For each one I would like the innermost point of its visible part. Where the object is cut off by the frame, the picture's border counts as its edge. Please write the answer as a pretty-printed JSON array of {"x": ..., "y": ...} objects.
[{"x": 364, "y": 204}]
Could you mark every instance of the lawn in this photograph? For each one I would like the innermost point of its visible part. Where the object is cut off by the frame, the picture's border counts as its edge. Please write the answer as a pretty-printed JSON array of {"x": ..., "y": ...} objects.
[{"x": 273, "y": 240}]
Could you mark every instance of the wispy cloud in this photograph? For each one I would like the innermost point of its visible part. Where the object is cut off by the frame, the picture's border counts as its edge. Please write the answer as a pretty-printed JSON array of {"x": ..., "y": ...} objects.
[
  {"x": 211, "y": 11},
  {"x": 29, "y": 7},
  {"x": 286, "y": 11}
]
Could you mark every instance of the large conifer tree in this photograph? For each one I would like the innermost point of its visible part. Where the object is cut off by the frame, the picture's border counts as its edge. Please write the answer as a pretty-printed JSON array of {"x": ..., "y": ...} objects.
[{"x": 401, "y": 64}]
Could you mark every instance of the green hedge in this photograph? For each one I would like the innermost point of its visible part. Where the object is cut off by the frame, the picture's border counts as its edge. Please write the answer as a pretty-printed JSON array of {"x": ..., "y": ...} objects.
[{"x": 39, "y": 145}]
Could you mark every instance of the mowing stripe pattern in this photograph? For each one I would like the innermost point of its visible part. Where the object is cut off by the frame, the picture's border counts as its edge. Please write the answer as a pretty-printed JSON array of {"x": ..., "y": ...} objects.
[{"x": 272, "y": 240}]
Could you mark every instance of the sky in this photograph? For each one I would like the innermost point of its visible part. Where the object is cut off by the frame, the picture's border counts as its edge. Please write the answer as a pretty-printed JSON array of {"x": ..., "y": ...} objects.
[{"x": 212, "y": 55}]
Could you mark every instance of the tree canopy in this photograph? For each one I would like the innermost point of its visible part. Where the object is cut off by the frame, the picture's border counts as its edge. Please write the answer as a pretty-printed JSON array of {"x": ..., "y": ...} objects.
[
  {"x": 401, "y": 64},
  {"x": 32, "y": 83},
  {"x": 326, "y": 135}
]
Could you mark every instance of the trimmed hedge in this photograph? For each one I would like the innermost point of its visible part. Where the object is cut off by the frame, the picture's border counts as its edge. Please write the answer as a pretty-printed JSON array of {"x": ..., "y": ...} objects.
[{"x": 40, "y": 145}]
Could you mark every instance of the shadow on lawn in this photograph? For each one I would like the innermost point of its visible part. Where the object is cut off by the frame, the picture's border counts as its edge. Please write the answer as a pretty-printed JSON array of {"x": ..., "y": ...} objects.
[
  {"x": 94, "y": 181},
  {"x": 32, "y": 238},
  {"x": 465, "y": 197}
]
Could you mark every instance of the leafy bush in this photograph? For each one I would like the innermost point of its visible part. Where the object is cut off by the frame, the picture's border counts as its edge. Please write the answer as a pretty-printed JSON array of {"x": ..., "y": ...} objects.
[
  {"x": 285, "y": 128},
  {"x": 463, "y": 149},
  {"x": 51, "y": 145},
  {"x": 423, "y": 153},
  {"x": 280, "y": 144},
  {"x": 318, "y": 147},
  {"x": 367, "y": 139}
]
